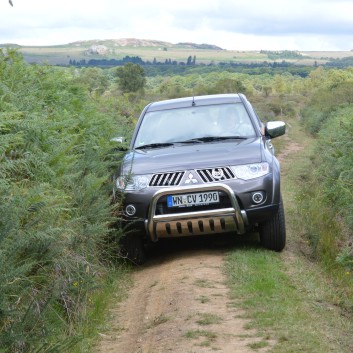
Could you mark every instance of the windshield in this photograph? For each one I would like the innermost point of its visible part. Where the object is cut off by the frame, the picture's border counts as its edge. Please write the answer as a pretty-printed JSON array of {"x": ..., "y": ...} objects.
[{"x": 193, "y": 123}]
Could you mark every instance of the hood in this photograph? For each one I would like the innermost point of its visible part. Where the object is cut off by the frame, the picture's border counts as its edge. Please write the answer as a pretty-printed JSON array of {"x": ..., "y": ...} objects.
[{"x": 201, "y": 155}]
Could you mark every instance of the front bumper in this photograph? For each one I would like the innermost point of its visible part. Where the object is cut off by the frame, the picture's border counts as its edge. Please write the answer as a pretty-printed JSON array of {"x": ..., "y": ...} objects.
[
  {"x": 229, "y": 219},
  {"x": 236, "y": 212}
]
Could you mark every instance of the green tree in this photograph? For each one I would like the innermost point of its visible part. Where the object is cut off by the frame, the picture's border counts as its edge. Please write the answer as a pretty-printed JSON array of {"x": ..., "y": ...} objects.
[
  {"x": 132, "y": 78},
  {"x": 279, "y": 84},
  {"x": 228, "y": 85},
  {"x": 267, "y": 89},
  {"x": 94, "y": 79}
]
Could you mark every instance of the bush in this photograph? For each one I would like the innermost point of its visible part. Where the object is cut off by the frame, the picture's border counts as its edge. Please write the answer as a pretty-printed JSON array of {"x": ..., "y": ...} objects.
[
  {"x": 335, "y": 167},
  {"x": 55, "y": 210},
  {"x": 328, "y": 190},
  {"x": 131, "y": 77},
  {"x": 325, "y": 101}
]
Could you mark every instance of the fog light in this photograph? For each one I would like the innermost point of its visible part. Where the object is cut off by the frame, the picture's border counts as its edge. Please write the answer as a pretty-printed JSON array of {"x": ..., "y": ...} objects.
[
  {"x": 257, "y": 197},
  {"x": 130, "y": 210}
]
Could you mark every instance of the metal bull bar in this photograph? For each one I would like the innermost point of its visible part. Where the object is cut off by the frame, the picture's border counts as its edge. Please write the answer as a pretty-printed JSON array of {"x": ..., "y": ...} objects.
[{"x": 230, "y": 219}]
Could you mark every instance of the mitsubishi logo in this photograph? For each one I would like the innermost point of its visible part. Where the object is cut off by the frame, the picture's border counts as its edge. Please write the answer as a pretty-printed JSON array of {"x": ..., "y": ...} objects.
[
  {"x": 191, "y": 179},
  {"x": 217, "y": 173}
]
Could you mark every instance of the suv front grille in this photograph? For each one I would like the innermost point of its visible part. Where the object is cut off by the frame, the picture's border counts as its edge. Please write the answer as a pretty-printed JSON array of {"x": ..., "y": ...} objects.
[
  {"x": 215, "y": 174},
  {"x": 166, "y": 179}
]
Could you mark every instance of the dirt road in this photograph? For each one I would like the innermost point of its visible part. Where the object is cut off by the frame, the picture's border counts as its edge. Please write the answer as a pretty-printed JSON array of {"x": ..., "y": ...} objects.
[{"x": 180, "y": 303}]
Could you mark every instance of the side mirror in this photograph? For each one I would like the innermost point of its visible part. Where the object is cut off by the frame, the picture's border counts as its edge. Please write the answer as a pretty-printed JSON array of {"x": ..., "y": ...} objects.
[
  {"x": 275, "y": 128},
  {"x": 119, "y": 139},
  {"x": 120, "y": 142}
]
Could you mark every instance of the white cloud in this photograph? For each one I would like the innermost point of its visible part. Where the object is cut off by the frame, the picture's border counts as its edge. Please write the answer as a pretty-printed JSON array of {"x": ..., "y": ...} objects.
[{"x": 230, "y": 24}]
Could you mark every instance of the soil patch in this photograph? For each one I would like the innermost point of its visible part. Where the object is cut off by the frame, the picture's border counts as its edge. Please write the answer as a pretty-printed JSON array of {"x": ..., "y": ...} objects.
[{"x": 179, "y": 303}]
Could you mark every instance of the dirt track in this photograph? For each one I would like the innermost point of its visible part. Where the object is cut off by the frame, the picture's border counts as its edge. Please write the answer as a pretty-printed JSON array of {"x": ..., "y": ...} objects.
[{"x": 179, "y": 303}]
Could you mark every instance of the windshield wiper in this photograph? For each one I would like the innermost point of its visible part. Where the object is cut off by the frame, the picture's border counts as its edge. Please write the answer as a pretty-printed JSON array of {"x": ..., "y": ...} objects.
[
  {"x": 155, "y": 145},
  {"x": 194, "y": 140},
  {"x": 214, "y": 138}
]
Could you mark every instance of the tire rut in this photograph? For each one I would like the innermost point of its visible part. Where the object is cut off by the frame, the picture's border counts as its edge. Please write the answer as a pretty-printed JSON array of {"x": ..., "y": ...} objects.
[{"x": 179, "y": 304}]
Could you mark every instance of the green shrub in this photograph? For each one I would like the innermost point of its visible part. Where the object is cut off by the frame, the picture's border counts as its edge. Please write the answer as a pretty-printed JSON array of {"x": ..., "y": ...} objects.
[
  {"x": 328, "y": 115},
  {"x": 55, "y": 208},
  {"x": 335, "y": 167},
  {"x": 326, "y": 201},
  {"x": 313, "y": 119},
  {"x": 325, "y": 101}
]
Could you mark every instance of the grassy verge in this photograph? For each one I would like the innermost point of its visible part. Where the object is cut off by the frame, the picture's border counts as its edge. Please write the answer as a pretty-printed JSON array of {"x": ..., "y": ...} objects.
[
  {"x": 288, "y": 303},
  {"x": 289, "y": 298},
  {"x": 113, "y": 289}
]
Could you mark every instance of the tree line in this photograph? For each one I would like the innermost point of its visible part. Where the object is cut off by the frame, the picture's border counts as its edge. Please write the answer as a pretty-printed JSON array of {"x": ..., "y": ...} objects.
[
  {"x": 129, "y": 59},
  {"x": 191, "y": 61}
]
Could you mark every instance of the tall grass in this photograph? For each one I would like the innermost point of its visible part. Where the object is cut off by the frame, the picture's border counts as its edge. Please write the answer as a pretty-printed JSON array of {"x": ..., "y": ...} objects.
[
  {"x": 327, "y": 198},
  {"x": 55, "y": 208}
]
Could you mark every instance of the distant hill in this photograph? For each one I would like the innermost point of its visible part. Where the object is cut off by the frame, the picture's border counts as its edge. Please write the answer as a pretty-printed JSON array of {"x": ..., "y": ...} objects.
[
  {"x": 133, "y": 42},
  {"x": 146, "y": 49},
  {"x": 123, "y": 42},
  {"x": 158, "y": 51},
  {"x": 198, "y": 46},
  {"x": 11, "y": 45}
]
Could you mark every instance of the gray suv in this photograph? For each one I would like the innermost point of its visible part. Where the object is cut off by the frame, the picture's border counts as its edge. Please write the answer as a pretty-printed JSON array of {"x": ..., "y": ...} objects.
[{"x": 200, "y": 165}]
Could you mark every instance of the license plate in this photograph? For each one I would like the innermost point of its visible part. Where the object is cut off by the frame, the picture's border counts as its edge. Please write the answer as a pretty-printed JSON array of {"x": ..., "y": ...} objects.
[{"x": 197, "y": 199}]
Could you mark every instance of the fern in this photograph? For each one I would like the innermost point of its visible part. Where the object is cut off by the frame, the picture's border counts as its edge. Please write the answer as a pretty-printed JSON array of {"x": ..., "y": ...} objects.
[{"x": 55, "y": 210}]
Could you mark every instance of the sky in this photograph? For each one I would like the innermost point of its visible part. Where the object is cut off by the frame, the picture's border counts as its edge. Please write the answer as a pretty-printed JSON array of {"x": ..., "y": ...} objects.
[{"x": 318, "y": 25}]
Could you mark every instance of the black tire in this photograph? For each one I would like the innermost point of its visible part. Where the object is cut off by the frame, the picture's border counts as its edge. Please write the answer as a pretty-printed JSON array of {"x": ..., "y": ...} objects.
[
  {"x": 132, "y": 248},
  {"x": 273, "y": 231}
]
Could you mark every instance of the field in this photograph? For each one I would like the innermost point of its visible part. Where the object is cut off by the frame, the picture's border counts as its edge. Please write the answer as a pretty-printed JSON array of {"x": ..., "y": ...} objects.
[{"x": 150, "y": 50}]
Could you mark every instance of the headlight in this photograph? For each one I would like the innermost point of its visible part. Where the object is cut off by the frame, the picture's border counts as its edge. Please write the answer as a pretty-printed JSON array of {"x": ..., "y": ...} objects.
[
  {"x": 133, "y": 182},
  {"x": 251, "y": 171}
]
